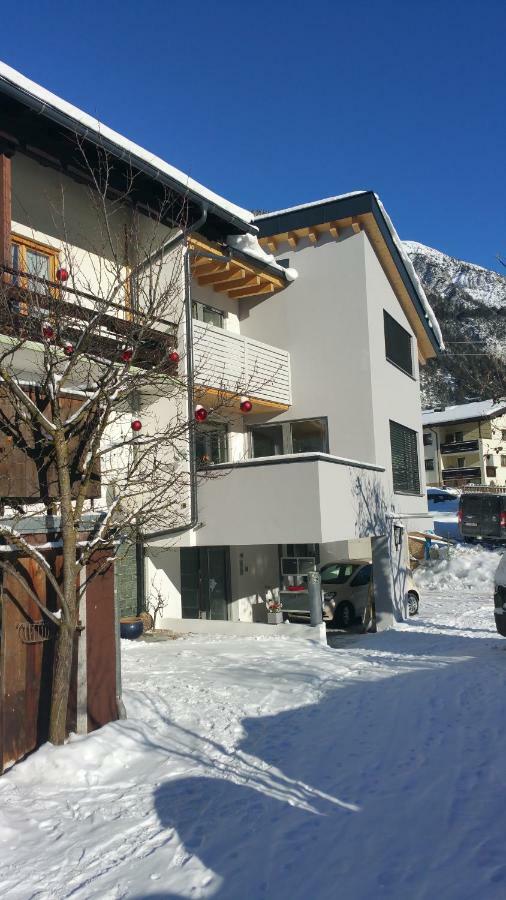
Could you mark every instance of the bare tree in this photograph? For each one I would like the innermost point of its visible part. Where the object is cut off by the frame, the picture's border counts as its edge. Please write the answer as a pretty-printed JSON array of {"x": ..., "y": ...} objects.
[{"x": 102, "y": 419}]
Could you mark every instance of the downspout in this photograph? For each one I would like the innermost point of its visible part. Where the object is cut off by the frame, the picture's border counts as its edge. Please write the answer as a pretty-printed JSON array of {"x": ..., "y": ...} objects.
[{"x": 166, "y": 532}]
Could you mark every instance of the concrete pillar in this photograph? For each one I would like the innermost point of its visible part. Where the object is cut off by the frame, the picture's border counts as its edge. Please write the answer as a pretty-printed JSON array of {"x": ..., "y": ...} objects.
[{"x": 384, "y": 595}]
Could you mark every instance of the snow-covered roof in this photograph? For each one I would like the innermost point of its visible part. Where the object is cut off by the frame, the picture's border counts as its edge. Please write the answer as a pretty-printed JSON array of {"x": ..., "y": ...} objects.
[
  {"x": 248, "y": 244},
  {"x": 428, "y": 311},
  {"x": 48, "y": 99},
  {"x": 479, "y": 409}
]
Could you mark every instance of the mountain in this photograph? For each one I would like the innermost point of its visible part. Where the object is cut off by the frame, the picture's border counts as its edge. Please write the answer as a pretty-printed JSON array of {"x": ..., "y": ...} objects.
[{"x": 470, "y": 304}]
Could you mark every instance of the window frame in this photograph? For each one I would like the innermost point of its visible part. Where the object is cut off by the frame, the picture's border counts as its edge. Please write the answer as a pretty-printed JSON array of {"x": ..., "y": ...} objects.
[
  {"x": 415, "y": 490},
  {"x": 387, "y": 317},
  {"x": 286, "y": 435},
  {"x": 207, "y": 427},
  {"x": 199, "y": 306},
  {"x": 429, "y": 468},
  {"x": 23, "y": 244}
]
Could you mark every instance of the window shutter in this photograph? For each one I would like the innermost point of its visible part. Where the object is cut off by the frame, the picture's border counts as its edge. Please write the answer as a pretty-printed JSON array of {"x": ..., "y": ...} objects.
[
  {"x": 397, "y": 344},
  {"x": 405, "y": 470}
]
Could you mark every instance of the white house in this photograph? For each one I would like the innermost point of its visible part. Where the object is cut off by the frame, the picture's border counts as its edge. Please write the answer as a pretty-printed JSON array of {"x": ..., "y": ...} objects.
[
  {"x": 465, "y": 444},
  {"x": 329, "y": 456}
]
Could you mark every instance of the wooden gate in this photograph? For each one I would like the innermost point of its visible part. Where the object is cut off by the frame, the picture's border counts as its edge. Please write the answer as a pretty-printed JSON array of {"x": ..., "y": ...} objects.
[{"x": 27, "y": 642}]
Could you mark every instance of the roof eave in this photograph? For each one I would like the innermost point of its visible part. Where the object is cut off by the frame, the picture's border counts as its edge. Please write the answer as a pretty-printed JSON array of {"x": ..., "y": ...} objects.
[{"x": 350, "y": 205}]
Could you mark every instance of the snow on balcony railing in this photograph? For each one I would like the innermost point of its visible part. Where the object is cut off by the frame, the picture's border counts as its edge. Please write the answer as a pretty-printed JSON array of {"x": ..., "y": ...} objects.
[{"x": 232, "y": 362}]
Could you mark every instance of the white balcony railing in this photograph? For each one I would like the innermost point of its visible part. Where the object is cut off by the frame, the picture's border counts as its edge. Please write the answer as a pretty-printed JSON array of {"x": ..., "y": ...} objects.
[{"x": 232, "y": 362}]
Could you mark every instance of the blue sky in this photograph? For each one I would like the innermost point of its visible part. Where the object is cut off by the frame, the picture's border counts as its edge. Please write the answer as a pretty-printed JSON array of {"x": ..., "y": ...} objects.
[{"x": 275, "y": 104}]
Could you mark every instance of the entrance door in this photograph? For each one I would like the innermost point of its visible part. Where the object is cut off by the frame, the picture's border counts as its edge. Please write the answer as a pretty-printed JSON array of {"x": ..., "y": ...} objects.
[{"x": 205, "y": 582}]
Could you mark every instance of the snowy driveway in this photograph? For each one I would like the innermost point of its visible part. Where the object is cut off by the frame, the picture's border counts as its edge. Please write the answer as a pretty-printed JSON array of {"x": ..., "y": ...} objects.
[{"x": 267, "y": 768}]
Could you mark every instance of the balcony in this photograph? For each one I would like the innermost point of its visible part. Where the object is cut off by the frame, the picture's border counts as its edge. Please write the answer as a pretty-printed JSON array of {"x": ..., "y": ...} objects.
[
  {"x": 112, "y": 325},
  {"x": 299, "y": 498},
  {"x": 461, "y": 473},
  {"x": 460, "y": 447},
  {"x": 228, "y": 362}
]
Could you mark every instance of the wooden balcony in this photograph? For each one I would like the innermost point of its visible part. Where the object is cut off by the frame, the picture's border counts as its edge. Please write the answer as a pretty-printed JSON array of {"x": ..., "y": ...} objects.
[{"x": 26, "y": 301}]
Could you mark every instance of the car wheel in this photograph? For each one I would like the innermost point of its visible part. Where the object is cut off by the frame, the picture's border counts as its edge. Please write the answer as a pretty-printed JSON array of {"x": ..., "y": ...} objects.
[
  {"x": 344, "y": 615},
  {"x": 500, "y": 624},
  {"x": 412, "y": 603}
]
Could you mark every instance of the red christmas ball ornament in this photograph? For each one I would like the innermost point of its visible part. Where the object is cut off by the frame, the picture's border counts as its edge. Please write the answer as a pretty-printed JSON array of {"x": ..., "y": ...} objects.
[
  {"x": 48, "y": 331},
  {"x": 136, "y": 425},
  {"x": 174, "y": 356},
  {"x": 246, "y": 405},
  {"x": 200, "y": 414},
  {"x": 62, "y": 274},
  {"x": 68, "y": 349},
  {"x": 127, "y": 354}
]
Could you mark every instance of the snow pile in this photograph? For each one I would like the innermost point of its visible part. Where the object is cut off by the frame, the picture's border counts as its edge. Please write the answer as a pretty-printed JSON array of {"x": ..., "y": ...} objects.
[
  {"x": 248, "y": 243},
  {"x": 466, "y": 568}
]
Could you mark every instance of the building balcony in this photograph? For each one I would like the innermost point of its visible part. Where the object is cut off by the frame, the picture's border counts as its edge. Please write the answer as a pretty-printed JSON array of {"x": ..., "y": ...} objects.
[
  {"x": 231, "y": 363},
  {"x": 460, "y": 447},
  {"x": 27, "y": 300},
  {"x": 461, "y": 472},
  {"x": 300, "y": 498}
]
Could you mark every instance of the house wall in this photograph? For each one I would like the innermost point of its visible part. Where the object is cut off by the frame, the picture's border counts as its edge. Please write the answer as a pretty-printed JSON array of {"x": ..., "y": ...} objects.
[
  {"x": 321, "y": 319},
  {"x": 395, "y": 395}
]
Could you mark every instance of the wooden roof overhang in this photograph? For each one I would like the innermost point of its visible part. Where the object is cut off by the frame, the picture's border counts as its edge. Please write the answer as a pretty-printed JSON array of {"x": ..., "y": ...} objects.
[
  {"x": 360, "y": 212},
  {"x": 231, "y": 272}
]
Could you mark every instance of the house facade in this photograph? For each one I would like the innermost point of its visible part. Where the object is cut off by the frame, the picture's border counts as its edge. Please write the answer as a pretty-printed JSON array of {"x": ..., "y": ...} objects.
[
  {"x": 300, "y": 335},
  {"x": 465, "y": 444},
  {"x": 330, "y": 465}
]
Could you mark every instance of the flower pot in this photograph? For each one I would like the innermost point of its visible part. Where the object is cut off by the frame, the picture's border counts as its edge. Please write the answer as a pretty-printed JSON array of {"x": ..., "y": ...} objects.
[
  {"x": 131, "y": 627},
  {"x": 275, "y": 618}
]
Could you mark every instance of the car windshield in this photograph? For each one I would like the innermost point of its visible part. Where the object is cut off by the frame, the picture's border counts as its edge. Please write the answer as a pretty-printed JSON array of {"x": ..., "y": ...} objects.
[{"x": 337, "y": 573}]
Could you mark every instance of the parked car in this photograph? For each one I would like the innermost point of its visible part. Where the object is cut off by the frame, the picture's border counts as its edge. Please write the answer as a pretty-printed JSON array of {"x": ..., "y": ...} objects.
[
  {"x": 346, "y": 592},
  {"x": 345, "y": 587},
  {"x": 482, "y": 516},
  {"x": 500, "y": 597}
]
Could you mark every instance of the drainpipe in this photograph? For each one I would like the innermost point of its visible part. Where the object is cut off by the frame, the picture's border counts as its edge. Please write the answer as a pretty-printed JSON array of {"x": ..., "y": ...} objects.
[{"x": 166, "y": 532}]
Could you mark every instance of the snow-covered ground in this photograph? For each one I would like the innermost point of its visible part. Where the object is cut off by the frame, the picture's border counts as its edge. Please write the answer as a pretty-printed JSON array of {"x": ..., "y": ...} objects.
[{"x": 257, "y": 768}]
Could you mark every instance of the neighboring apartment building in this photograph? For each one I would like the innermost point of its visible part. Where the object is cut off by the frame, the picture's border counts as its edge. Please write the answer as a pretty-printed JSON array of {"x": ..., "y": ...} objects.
[
  {"x": 465, "y": 444},
  {"x": 331, "y": 456}
]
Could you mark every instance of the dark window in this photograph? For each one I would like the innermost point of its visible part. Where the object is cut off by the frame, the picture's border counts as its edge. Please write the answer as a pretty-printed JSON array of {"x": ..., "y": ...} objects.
[
  {"x": 427, "y": 439},
  {"x": 304, "y": 550},
  {"x": 267, "y": 440},
  {"x": 211, "y": 443},
  {"x": 429, "y": 465},
  {"x": 461, "y": 461},
  {"x": 449, "y": 438},
  {"x": 301, "y": 436},
  {"x": 459, "y": 436},
  {"x": 404, "y": 445},
  {"x": 398, "y": 344},
  {"x": 503, "y": 435},
  {"x": 503, "y": 460},
  {"x": 208, "y": 314},
  {"x": 491, "y": 471},
  {"x": 309, "y": 436},
  {"x": 362, "y": 577}
]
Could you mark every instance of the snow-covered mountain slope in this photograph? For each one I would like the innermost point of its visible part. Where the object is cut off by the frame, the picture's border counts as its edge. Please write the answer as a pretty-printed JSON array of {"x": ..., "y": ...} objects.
[{"x": 470, "y": 304}]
